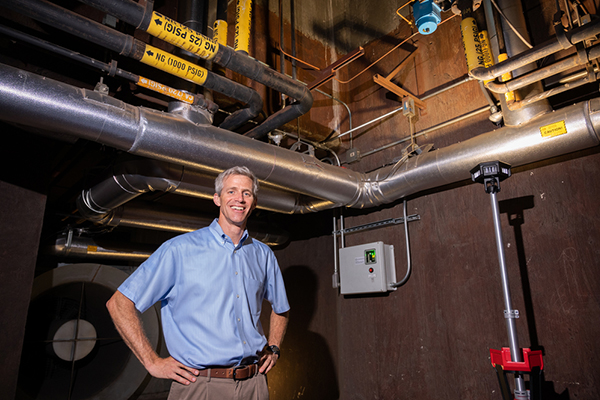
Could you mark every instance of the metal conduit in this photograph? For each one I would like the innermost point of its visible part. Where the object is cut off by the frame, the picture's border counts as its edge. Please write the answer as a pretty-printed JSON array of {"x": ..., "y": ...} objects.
[
  {"x": 554, "y": 45},
  {"x": 31, "y": 100},
  {"x": 582, "y": 57},
  {"x": 141, "y": 17},
  {"x": 126, "y": 45}
]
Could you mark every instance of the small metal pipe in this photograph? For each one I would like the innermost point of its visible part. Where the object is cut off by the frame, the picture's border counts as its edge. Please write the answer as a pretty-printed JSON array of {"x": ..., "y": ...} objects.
[
  {"x": 554, "y": 91},
  {"x": 335, "y": 278},
  {"x": 543, "y": 73},
  {"x": 538, "y": 52},
  {"x": 67, "y": 53},
  {"x": 342, "y": 103},
  {"x": 367, "y": 123},
  {"x": 408, "y": 257},
  {"x": 456, "y": 84},
  {"x": 428, "y": 130},
  {"x": 446, "y": 88},
  {"x": 510, "y": 314},
  {"x": 343, "y": 238}
]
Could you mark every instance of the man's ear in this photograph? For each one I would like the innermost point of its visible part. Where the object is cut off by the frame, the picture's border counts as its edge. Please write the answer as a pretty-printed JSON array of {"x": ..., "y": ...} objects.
[{"x": 217, "y": 200}]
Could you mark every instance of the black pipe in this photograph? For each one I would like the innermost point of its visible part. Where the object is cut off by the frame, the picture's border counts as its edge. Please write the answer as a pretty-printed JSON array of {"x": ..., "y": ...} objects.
[
  {"x": 538, "y": 52},
  {"x": 222, "y": 10},
  {"x": 126, "y": 45},
  {"x": 92, "y": 62},
  {"x": 193, "y": 14},
  {"x": 137, "y": 15}
]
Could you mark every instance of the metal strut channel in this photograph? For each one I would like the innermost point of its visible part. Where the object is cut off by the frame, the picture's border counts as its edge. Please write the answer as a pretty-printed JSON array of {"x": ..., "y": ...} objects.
[{"x": 378, "y": 224}]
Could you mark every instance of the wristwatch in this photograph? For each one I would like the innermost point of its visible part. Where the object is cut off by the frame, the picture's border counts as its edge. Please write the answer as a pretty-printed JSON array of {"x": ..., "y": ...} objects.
[{"x": 275, "y": 350}]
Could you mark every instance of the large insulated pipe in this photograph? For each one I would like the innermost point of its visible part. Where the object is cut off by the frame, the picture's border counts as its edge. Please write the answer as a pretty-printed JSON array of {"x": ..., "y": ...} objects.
[
  {"x": 73, "y": 23},
  {"x": 32, "y": 100},
  {"x": 142, "y": 17},
  {"x": 135, "y": 178}
]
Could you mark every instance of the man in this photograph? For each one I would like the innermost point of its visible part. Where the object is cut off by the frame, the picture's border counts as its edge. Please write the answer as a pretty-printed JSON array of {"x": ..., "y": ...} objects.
[{"x": 211, "y": 284}]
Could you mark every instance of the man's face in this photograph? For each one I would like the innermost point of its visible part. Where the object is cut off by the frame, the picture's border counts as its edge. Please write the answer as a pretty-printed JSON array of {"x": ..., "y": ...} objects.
[{"x": 236, "y": 200}]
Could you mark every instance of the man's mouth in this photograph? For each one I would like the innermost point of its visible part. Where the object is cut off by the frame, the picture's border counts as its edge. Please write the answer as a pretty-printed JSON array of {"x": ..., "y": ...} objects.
[{"x": 237, "y": 208}]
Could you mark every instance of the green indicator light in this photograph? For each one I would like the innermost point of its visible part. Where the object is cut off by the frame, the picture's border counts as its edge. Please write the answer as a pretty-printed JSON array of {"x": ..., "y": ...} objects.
[{"x": 370, "y": 256}]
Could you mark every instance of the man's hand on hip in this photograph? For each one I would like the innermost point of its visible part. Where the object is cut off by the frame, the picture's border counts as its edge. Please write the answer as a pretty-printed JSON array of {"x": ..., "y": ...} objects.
[
  {"x": 169, "y": 368},
  {"x": 267, "y": 361}
]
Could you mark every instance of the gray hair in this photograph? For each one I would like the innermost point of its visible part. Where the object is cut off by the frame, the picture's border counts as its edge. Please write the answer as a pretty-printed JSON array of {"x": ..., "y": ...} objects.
[{"x": 236, "y": 171}]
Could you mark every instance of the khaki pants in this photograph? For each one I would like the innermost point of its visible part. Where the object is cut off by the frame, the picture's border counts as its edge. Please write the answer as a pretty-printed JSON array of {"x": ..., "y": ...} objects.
[{"x": 205, "y": 388}]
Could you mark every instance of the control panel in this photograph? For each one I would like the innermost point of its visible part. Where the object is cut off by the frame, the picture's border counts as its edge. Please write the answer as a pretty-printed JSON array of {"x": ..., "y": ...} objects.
[{"x": 367, "y": 268}]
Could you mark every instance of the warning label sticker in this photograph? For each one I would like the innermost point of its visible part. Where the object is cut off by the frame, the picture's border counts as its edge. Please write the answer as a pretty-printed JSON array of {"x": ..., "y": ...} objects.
[{"x": 555, "y": 129}]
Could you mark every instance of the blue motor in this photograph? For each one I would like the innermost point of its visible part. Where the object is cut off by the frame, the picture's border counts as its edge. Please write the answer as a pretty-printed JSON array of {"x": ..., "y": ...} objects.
[{"x": 427, "y": 16}]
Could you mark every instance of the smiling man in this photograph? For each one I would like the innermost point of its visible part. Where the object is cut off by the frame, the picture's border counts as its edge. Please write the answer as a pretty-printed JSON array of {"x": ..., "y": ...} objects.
[{"x": 211, "y": 284}]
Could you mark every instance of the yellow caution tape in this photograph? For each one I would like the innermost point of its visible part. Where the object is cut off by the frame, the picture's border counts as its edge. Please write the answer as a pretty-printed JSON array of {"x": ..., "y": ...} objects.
[
  {"x": 243, "y": 16},
  {"x": 173, "y": 65},
  {"x": 220, "y": 32},
  {"x": 166, "y": 90},
  {"x": 555, "y": 129},
  {"x": 181, "y": 36}
]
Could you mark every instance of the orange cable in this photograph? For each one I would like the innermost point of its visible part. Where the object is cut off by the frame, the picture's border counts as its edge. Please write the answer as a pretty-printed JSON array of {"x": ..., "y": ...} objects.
[
  {"x": 402, "y": 16},
  {"x": 280, "y": 44}
]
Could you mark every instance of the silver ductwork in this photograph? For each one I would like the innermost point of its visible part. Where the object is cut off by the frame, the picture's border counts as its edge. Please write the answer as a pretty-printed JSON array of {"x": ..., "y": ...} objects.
[
  {"x": 69, "y": 245},
  {"x": 134, "y": 178},
  {"x": 29, "y": 99}
]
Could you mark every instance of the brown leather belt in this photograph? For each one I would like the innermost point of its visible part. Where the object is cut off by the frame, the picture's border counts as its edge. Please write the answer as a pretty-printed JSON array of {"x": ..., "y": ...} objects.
[{"x": 237, "y": 373}]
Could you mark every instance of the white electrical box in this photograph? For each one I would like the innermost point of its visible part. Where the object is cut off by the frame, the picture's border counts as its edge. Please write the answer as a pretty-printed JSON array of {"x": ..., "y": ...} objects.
[{"x": 367, "y": 268}]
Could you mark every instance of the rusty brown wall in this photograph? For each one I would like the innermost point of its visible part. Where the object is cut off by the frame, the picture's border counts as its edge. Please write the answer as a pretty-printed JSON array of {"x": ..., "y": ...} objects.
[{"x": 431, "y": 338}]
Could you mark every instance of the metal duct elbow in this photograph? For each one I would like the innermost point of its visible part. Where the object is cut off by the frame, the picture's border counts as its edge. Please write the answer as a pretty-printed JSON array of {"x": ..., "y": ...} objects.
[{"x": 132, "y": 180}]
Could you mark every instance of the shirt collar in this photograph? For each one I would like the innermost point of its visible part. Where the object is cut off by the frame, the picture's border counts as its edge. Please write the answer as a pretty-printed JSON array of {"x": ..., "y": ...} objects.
[{"x": 218, "y": 232}]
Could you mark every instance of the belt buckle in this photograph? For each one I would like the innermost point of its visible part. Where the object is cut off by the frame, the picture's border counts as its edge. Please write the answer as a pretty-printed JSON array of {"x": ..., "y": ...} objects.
[{"x": 235, "y": 371}]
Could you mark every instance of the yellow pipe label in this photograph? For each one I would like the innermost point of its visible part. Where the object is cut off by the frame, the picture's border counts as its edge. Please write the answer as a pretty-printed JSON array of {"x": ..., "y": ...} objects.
[
  {"x": 555, "y": 129},
  {"x": 220, "y": 32},
  {"x": 488, "y": 58},
  {"x": 243, "y": 15},
  {"x": 509, "y": 96},
  {"x": 181, "y": 36},
  {"x": 173, "y": 65},
  {"x": 471, "y": 45},
  {"x": 166, "y": 90}
]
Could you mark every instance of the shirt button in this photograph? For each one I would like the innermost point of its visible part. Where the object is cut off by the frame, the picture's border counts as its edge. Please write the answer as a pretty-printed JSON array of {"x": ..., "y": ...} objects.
[
  {"x": 239, "y": 319},
  {"x": 238, "y": 296},
  {"x": 236, "y": 272},
  {"x": 244, "y": 342}
]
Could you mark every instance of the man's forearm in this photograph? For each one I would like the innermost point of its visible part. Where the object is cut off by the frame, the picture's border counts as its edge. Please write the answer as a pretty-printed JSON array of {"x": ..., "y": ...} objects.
[
  {"x": 126, "y": 319},
  {"x": 277, "y": 327}
]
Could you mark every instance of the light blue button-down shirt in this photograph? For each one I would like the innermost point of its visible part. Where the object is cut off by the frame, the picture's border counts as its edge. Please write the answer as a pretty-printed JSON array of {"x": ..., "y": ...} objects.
[{"x": 211, "y": 295}]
